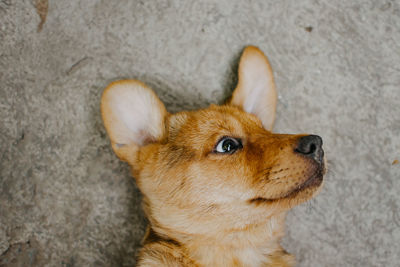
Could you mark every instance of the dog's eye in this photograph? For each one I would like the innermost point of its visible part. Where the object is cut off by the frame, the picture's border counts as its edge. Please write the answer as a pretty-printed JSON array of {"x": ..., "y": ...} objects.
[{"x": 228, "y": 145}]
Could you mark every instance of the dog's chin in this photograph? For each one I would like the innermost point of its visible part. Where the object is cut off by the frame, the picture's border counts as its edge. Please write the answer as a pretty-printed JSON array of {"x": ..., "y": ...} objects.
[
  {"x": 300, "y": 193},
  {"x": 308, "y": 188}
]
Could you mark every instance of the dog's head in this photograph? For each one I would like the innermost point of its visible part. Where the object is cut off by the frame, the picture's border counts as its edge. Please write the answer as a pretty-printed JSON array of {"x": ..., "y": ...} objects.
[{"x": 219, "y": 168}]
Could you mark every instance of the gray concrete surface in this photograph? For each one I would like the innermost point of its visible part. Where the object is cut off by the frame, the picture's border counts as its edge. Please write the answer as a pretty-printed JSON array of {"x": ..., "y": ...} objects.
[{"x": 65, "y": 199}]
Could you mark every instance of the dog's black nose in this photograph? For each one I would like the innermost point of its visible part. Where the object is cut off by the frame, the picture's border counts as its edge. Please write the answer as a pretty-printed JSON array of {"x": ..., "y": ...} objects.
[{"x": 311, "y": 146}]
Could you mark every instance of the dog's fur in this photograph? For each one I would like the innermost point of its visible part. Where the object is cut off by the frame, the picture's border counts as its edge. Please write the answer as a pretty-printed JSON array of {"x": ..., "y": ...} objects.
[{"x": 207, "y": 208}]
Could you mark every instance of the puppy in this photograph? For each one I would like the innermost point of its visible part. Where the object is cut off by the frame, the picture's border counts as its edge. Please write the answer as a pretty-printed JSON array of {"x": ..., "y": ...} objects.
[{"x": 216, "y": 182}]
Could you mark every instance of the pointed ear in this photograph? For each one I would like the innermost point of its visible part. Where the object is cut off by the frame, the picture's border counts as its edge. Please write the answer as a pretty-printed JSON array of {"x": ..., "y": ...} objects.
[
  {"x": 255, "y": 92},
  {"x": 133, "y": 116}
]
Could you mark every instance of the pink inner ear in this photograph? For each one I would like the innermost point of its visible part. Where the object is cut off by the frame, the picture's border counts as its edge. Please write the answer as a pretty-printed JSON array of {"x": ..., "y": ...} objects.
[
  {"x": 145, "y": 138},
  {"x": 133, "y": 114},
  {"x": 255, "y": 92}
]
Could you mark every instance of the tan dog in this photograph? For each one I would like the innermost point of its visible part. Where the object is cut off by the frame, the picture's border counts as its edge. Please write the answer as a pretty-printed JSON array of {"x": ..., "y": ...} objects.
[{"x": 216, "y": 182}]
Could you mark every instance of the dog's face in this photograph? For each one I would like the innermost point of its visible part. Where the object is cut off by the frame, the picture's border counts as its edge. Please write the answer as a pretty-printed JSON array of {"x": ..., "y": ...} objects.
[{"x": 215, "y": 169}]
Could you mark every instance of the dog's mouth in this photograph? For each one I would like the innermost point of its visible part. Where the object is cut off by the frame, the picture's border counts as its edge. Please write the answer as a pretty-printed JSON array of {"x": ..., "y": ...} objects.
[{"x": 314, "y": 181}]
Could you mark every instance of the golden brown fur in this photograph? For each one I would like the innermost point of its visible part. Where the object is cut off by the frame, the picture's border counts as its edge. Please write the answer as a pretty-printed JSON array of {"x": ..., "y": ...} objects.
[{"x": 207, "y": 208}]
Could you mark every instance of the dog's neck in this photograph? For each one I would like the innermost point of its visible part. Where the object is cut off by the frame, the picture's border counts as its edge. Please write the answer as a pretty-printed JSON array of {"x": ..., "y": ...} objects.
[{"x": 255, "y": 245}]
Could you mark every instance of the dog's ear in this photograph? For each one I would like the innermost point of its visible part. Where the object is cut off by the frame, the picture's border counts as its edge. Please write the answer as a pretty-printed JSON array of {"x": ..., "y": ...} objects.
[
  {"x": 133, "y": 116},
  {"x": 255, "y": 92}
]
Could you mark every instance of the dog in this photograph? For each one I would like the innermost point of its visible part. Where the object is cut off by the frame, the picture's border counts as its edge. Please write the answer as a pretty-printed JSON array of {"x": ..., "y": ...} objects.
[{"x": 216, "y": 182}]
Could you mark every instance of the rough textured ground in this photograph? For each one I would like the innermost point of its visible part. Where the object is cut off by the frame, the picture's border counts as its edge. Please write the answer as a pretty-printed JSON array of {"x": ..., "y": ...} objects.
[{"x": 65, "y": 200}]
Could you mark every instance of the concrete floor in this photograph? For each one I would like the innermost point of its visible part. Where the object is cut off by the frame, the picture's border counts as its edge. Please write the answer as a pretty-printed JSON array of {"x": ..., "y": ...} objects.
[{"x": 65, "y": 199}]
